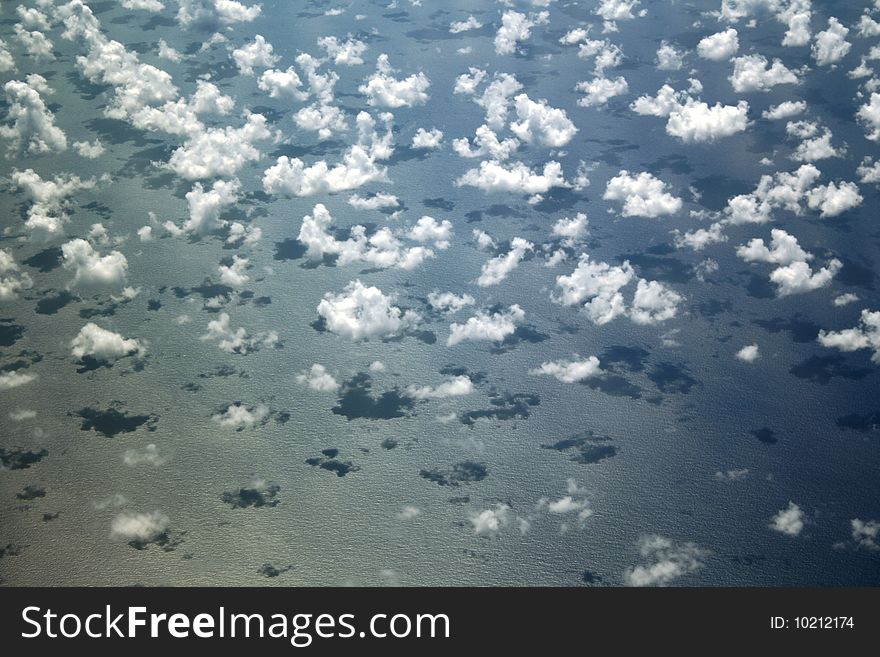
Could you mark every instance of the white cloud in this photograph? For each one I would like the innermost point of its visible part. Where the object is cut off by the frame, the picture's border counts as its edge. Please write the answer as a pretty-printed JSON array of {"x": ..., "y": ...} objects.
[
  {"x": 149, "y": 455},
  {"x": 538, "y": 123},
  {"x": 497, "y": 269},
  {"x": 409, "y": 513},
  {"x": 291, "y": 177},
  {"x": 653, "y": 303},
  {"x": 234, "y": 274},
  {"x": 323, "y": 119},
  {"x": 788, "y": 521},
  {"x": 31, "y": 128},
  {"x": 428, "y": 139},
  {"x": 237, "y": 341},
  {"x": 453, "y": 387},
  {"x": 490, "y": 521},
  {"x": 866, "y": 534},
  {"x": 749, "y": 354},
  {"x": 11, "y": 281},
  {"x": 142, "y": 527},
  {"x": 282, "y": 84},
  {"x": 697, "y": 122},
  {"x": 145, "y": 5},
  {"x": 89, "y": 150},
  {"x": 22, "y": 414},
  {"x": 831, "y": 45},
  {"x": 343, "y": 53},
  {"x": 493, "y": 176},
  {"x": 667, "y": 561},
  {"x": 318, "y": 378},
  {"x": 869, "y": 170},
  {"x": 487, "y": 144},
  {"x": 46, "y": 215},
  {"x": 600, "y": 90},
  {"x": 494, "y": 327},
  {"x": 211, "y": 12},
  {"x": 642, "y": 195},
  {"x": 785, "y": 110},
  {"x": 91, "y": 269},
  {"x": 834, "y": 198},
  {"x": 205, "y": 207},
  {"x": 845, "y": 299},
  {"x": 784, "y": 249},
  {"x": 381, "y": 249},
  {"x": 448, "y": 302},
  {"x": 164, "y": 51},
  {"x": 798, "y": 277},
  {"x": 720, "y": 46},
  {"x": 382, "y": 89},
  {"x": 515, "y": 28},
  {"x": 669, "y": 58},
  {"x": 866, "y": 335},
  {"x": 374, "y": 202},
  {"x": 14, "y": 379},
  {"x": 571, "y": 230},
  {"x": 457, "y": 27},
  {"x": 219, "y": 152},
  {"x": 239, "y": 416},
  {"x": 361, "y": 312},
  {"x": 597, "y": 285},
  {"x": 869, "y": 115},
  {"x": 755, "y": 73},
  {"x": 92, "y": 341},
  {"x": 570, "y": 371},
  {"x": 35, "y": 43},
  {"x": 7, "y": 61}
]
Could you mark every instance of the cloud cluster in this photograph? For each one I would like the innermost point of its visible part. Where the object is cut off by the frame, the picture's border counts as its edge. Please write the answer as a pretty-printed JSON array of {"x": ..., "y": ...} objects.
[
  {"x": 667, "y": 561},
  {"x": 382, "y": 248},
  {"x": 755, "y": 73},
  {"x": 598, "y": 286},
  {"x": 237, "y": 341},
  {"x": 240, "y": 416},
  {"x": 91, "y": 270},
  {"x": 793, "y": 274},
  {"x": 690, "y": 120},
  {"x": 455, "y": 386},
  {"x": 720, "y": 46},
  {"x": 788, "y": 521},
  {"x": 318, "y": 378}
]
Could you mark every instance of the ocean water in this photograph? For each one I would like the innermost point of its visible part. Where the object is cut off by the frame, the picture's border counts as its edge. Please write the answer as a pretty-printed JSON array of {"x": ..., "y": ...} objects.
[{"x": 672, "y": 408}]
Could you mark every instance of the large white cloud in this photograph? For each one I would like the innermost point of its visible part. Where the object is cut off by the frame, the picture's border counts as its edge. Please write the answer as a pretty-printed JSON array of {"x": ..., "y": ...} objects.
[
  {"x": 494, "y": 327},
  {"x": 755, "y": 73},
  {"x": 382, "y": 89},
  {"x": 869, "y": 115},
  {"x": 866, "y": 335},
  {"x": 318, "y": 378},
  {"x": 240, "y": 416},
  {"x": 345, "y": 53},
  {"x": 292, "y": 177},
  {"x": 493, "y": 176},
  {"x": 220, "y": 152},
  {"x": 361, "y": 312},
  {"x": 691, "y": 120},
  {"x": 538, "y": 123},
  {"x": 831, "y": 45},
  {"x": 642, "y": 195},
  {"x": 600, "y": 90},
  {"x": 31, "y": 128},
  {"x": 213, "y": 12},
  {"x": 515, "y": 28},
  {"x": 720, "y": 46},
  {"x": 381, "y": 249},
  {"x": 258, "y": 53},
  {"x": 91, "y": 269},
  {"x": 141, "y": 527},
  {"x": 92, "y": 341},
  {"x": 46, "y": 216},
  {"x": 793, "y": 274}
]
